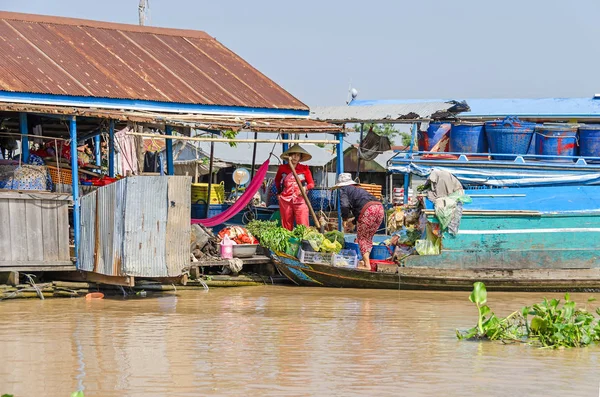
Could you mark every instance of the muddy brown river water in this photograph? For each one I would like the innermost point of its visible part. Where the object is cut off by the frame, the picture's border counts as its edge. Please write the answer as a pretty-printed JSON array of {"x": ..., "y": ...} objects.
[{"x": 278, "y": 341}]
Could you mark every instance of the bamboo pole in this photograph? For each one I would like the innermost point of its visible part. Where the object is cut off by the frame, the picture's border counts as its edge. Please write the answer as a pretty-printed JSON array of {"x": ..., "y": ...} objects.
[
  {"x": 249, "y": 140},
  {"x": 312, "y": 212}
]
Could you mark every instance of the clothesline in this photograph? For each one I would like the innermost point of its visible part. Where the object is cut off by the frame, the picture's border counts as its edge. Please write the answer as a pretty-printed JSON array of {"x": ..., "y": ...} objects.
[
  {"x": 226, "y": 140},
  {"x": 49, "y": 138}
]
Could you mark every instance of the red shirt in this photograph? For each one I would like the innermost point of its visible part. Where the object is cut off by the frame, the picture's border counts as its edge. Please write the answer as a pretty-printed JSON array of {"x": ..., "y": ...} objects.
[{"x": 301, "y": 169}]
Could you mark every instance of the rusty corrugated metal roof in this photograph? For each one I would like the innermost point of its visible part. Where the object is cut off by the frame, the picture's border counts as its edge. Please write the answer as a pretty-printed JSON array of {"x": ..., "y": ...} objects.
[{"x": 65, "y": 56}]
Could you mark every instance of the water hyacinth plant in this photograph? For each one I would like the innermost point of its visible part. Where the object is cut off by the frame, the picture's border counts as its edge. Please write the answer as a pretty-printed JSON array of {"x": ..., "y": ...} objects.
[{"x": 552, "y": 325}]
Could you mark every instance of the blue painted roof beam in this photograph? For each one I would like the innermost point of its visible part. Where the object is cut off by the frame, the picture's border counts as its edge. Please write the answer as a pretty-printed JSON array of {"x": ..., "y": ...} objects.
[{"x": 143, "y": 105}]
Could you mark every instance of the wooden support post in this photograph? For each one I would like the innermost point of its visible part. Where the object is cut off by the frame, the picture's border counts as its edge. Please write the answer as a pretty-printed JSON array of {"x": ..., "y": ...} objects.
[
  {"x": 169, "y": 150},
  {"x": 9, "y": 278},
  {"x": 111, "y": 149},
  {"x": 24, "y": 137},
  {"x": 254, "y": 156},
  {"x": 362, "y": 126}
]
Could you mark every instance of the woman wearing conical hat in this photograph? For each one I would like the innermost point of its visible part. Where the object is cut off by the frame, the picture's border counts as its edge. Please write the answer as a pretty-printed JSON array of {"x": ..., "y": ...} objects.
[{"x": 291, "y": 203}]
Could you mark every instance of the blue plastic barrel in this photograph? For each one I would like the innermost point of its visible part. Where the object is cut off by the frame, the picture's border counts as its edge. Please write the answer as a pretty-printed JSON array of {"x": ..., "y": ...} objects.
[
  {"x": 436, "y": 131},
  {"x": 589, "y": 140},
  {"x": 509, "y": 136},
  {"x": 556, "y": 139},
  {"x": 467, "y": 137}
]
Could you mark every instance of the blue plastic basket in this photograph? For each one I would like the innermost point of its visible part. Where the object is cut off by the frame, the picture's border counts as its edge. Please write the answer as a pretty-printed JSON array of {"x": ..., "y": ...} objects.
[
  {"x": 509, "y": 136},
  {"x": 380, "y": 252},
  {"x": 354, "y": 247},
  {"x": 198, "y": 211}
]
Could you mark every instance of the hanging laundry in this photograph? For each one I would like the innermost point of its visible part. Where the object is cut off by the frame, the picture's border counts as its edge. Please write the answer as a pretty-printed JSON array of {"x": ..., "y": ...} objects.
[
  {"x": 151, "y": 162},
  {"x": 161, "y": 164},
  {"x": 127, "y": 152},
  {"x": 373, "y": 145}
]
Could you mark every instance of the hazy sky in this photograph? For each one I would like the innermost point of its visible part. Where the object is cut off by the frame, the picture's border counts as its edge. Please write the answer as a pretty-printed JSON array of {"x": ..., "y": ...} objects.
[{"x": 387, "y": 49}]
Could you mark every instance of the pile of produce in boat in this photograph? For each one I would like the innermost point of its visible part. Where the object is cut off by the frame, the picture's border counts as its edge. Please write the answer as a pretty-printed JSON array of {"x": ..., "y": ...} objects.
[
  {"x": 238, "y": 234},
  {"x": 334, "y": 236},
  {"x": 276, "y": 238},
  {"x": 270, "y": 235}
]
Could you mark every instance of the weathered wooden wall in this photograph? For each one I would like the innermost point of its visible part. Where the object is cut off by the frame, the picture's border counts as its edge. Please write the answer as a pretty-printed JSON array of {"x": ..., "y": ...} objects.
[{"x": 34, "y": 231}]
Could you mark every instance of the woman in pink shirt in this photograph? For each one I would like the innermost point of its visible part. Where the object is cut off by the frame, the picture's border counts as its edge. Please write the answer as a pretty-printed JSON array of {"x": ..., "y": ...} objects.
[{"x": 291, "y": 203}]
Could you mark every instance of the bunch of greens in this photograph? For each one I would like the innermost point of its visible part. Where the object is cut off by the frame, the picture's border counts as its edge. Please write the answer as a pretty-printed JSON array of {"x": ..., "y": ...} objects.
[
  {"x": 329, "y": 246},
  {"x": 552, "y": 325},
  {"x": 334, "y": 236},
  {"x": 300, "y": 231},
  {"x": 256, "y": 228},
  {"x": 270, "y": 235}
]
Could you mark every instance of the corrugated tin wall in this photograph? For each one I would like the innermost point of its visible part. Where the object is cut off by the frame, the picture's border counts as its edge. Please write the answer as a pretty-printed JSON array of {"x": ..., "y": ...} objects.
[
  {"x": 145, "y": 227},
  {"x": 138, "y": 226},
  {"x": 178, "y": 225}
]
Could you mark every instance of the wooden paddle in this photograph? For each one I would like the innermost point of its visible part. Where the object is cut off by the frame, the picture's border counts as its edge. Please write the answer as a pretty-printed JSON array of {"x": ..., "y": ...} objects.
[{"x": 310, "y": 208}]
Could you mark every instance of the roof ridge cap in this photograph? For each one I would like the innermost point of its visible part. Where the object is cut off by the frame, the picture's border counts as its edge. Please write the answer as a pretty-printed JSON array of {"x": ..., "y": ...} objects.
[{"x": 36, "y": 18}]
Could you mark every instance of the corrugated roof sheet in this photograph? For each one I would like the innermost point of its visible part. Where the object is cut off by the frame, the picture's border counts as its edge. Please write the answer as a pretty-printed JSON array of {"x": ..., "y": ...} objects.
[
  {"x": 64, "y": 56},
  {"x": 379, "y": 112},
  {"x": 521, "y": 107}
]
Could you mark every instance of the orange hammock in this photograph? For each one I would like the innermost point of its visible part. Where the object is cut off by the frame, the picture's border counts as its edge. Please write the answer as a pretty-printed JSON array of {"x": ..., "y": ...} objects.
[{"x": 241, "y": 202}]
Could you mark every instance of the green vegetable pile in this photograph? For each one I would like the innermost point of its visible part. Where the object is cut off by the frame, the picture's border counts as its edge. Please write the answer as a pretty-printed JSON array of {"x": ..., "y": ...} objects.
[
  {"x": 334, "y": 236},
  {"x": 270, "y": 235},
  {"x": 551, "y": 325},
  {"x": 276, "y": 238}
]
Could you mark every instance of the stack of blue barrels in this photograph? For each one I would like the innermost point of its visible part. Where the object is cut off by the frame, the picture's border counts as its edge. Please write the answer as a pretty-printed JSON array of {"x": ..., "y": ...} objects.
[{"x": 510, "y": 137}]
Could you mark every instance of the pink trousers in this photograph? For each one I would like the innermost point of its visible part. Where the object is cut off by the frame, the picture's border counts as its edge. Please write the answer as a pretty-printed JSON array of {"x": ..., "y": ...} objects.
[{"x": 291, "y": 211}]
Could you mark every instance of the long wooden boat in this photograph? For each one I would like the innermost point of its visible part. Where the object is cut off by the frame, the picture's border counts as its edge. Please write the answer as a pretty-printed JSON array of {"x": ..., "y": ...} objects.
[
  {"x": 326, "y": 275},
  {"x": 526, "y": 239}
]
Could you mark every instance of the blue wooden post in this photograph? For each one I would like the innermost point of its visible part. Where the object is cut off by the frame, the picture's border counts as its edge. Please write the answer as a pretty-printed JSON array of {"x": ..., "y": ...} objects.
[
  {"x": 111, "y": 149},
  {"x": 75, "y": 176},
  {"x": 97, "y": 150},
  {"x": 24, "y": 137},
  {"x": 169, "y": 147},
  {"x": 339, "y": 170},
  {"x": 413, "y": 133},
  {"x": 284, "y": 146}
]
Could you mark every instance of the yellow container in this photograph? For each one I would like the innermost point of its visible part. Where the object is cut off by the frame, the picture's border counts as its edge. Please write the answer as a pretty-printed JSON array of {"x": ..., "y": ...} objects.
[{"x": 200, "y": 193}]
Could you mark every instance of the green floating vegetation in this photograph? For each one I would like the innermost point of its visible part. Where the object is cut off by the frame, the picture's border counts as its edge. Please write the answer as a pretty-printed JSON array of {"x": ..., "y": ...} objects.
[{"x": 548, "y": 324}]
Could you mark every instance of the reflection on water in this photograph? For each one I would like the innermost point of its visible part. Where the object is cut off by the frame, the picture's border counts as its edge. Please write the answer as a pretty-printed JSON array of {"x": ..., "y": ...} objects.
[{"x": 278, "y": 341}]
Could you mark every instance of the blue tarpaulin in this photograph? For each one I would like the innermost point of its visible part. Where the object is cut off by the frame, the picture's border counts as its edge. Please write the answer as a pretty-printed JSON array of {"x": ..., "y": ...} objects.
[{"x": 505, "y": 177}]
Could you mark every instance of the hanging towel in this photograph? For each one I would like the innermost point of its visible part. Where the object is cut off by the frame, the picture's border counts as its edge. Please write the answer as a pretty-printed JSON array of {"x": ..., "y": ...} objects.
[{"x": 241, "y": 202}]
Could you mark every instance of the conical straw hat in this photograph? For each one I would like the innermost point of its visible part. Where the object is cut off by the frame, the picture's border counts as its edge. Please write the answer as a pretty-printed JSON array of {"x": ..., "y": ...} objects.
[{"x": 304, "y": 155}]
